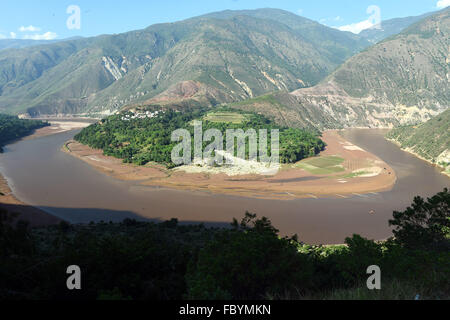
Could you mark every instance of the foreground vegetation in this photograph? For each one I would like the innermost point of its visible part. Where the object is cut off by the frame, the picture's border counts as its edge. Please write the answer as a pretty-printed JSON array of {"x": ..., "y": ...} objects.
[
  {"x": 138, "y": 260},
  {"x": 11, "y": 128},
  {"x": 141, "y": 141}
]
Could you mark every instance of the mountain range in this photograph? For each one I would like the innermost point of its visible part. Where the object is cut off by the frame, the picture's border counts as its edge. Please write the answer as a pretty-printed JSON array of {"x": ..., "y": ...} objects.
[
  {"x": 390, "y": 27},
  {"x": 24, "y": 43},
  {"x": 403, "y": 79},
  {"x": 229, "y": 57},
  {"x": 21, "y": 43},
  {"x": 296, "y": 70}
]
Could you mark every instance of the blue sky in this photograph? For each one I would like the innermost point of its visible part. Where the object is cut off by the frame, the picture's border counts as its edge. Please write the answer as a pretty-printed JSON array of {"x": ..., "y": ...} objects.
[{"x": 31, "y": 19}]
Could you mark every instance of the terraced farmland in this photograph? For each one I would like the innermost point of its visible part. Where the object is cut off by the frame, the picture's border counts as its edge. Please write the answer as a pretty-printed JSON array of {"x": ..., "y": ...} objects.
[{"x": 225, "y": 117}]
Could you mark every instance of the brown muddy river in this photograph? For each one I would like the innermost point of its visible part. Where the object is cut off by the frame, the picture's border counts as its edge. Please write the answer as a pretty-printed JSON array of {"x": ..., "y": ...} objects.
[{"x": 42, "y": 175}]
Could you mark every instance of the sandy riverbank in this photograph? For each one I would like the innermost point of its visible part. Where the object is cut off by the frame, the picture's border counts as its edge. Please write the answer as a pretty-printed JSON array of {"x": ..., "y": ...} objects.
[
  {"x": 360, "y": 172},
  {"x": 57, "y": 127}
]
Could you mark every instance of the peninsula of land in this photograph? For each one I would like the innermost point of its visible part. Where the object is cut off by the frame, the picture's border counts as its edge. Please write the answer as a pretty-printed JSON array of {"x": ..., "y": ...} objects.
[{"x": 342, "y": 170}]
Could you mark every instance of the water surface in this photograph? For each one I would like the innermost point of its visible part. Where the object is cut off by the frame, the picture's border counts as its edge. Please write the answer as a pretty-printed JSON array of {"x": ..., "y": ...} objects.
[{"x": 42, "y": 175}]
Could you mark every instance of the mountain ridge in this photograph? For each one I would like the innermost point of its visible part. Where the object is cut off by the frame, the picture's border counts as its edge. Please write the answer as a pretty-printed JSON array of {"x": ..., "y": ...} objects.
[
  {"x": 391, "y": 27},
  {"x": 268, "y": 60},
  {"x": 401, "y": 80},
  {"x": 241, "y": 57}
]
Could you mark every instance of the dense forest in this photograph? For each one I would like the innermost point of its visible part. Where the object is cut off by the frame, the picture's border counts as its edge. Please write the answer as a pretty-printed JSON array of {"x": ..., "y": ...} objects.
[
  {"x": 144, "y": 140},
  {"x": 166, "y": 261},
  {"x": 11, "y": 128}
]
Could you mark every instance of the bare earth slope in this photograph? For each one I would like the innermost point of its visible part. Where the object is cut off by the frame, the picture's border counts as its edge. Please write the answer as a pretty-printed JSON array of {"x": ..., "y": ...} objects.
[{"x": 402, "y": 80}]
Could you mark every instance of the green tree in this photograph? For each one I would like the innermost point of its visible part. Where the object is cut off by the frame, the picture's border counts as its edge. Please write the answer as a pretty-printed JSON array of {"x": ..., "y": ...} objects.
[
  {"x": 425, "y": 223},
  {"x": 247, "y": 262}
]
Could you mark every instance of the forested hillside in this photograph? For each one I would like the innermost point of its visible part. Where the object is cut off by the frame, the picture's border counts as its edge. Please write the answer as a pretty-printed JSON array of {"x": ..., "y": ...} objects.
[
  {"x": 430, "y": 140},
  {"x": 12, "y": 128}
]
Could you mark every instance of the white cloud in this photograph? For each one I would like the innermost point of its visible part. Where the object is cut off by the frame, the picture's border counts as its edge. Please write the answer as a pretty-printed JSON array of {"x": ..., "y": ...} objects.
[
  {"x": 300, "y": 11},
  {"x": 357, "y": 27},
  {"x": 44, "y": 36},
  {"x": 441, "y": 4},
  {"x": 30, "y": 28},
  {"x": 13, "y": 35},
  {"x": 2, "y": 36},
  {"x": 338, "y": 18},
  {"x": 35, "y": 36}
]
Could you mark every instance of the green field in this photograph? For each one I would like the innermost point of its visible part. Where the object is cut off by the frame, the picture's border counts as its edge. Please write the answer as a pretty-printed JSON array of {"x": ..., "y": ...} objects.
[
  {"x": 354, "y": 174},
  {"x": 225, "y": 117},
  {"x": 322, "y": 165}
]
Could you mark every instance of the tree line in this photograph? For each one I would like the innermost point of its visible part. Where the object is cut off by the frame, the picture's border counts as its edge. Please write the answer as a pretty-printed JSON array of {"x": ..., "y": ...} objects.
[{"x": 12, "y": 128}]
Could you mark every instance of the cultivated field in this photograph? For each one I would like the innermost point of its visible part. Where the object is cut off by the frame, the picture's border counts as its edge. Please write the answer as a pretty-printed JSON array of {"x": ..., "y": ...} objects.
[
  {"x": 226, "y": 117},
  {"x": 322, "y": 165}
]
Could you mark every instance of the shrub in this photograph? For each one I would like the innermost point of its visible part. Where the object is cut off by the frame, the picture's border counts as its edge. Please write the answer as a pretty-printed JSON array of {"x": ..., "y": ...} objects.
[
  {"x": 247, "y": 262},
  {"x": 425, "y": 224}
]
